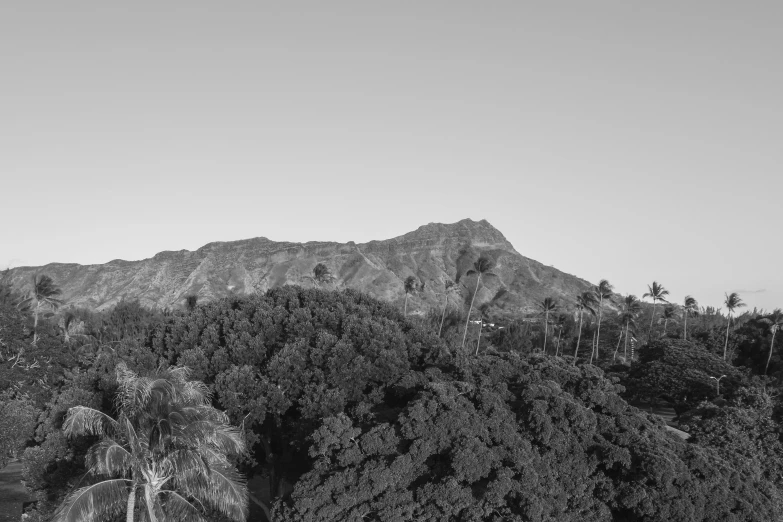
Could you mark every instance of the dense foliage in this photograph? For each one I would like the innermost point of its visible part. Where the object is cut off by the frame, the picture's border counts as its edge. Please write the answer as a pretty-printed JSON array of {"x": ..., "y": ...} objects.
[{"x": 352, "y": 410}]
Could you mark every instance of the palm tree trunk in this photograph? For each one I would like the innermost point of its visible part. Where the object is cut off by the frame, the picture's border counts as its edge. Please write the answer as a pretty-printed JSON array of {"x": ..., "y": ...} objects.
[
  {"x": 443, "y": 316},
  {"x": 685, "y": 326},
  {"x": 592, "y": 351},
  {"x": 625, "y": 347},
  {"x": 620, "y": 338},
  {"x": 598, "y": 334},
  {"x": 470, "y": 309},
  {"x": 726, "y": 345},
  {"x": 649, "y": 333},
  {"x": 771, "y": 345},
  {"x": 546, "y": 327},
  {"x": 150, "y": 503},
  {"x": 665, "y": 324},
  {"x": 557, "y": 347},
  {"x": 131, "y": 504},
  {"x": 579, "y": 337},
  {"x": 35, "y": 322},
  {"x": 478, "y": 343}
]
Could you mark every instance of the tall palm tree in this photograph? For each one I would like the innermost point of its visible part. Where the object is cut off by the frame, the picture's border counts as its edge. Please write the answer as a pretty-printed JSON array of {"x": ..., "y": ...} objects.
[
  {"x": 44, "y": 295},
  {"x": 481, "y": 267},
  {"x": 560, "y": 323},
  {"x": 630, "y": 310},
  {"x": 689, "y": 307},
  {"x": 669, "y": 314},
  {"x": 547, "y": 306},
  {"x": 410, "y": 287},
  {"x": 732, "y": 302},
  {"x": 656, "y": 292},
  {"x": 775, "y": 322},
  {"x": 619, "y": 340},
  {"x": 584, "y": 301},
  {"x": 168, "y": 447},
  {"x": 604, "y": 290},
  {"x": 482, "y": 310},
  {"x": 449, "y": 286}
]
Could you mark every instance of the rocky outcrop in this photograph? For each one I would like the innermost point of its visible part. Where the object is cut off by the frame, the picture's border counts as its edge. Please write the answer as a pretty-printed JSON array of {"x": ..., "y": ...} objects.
[{"x": 433, "y": 253}]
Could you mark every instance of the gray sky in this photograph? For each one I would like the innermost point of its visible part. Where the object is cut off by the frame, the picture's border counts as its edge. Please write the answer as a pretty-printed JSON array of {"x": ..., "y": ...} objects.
[{"x": 630, "y": 141}]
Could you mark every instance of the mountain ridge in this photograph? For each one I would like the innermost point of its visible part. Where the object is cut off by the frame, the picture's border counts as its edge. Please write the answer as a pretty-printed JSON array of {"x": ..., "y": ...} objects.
[{"x": 432, "y": 253}]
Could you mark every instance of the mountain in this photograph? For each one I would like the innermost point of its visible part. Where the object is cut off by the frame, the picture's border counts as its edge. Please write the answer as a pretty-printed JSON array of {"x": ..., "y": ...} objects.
[{"x": 432, "y": 253}]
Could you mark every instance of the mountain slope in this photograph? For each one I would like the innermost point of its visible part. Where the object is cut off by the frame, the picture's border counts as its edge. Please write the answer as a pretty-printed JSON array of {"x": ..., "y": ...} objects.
[{"x": 432, "y": 253}]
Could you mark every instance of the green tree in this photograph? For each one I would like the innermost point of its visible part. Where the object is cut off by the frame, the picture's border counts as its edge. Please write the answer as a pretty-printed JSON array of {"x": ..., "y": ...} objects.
[
  {"x": 44, "y": 295},
  {"x": 449, "y": 287},
  {"x": 604, "y": 290},
  {"x": 410, "y": 287},
  {"x": 669, "y": 314},
  {"x": 547, "y": 306},
  {"x": 630, "y": 310},
  {"x": 584, "y": 301},
  {"x": 690, "y": 307},
  {"x": 168, "y": 445},
  {"x": 732, "y": 302},
  {"x": 69, "y": 322},
  {"x": 656, "y": 292},
  {"x": 321, "y": 275},
  {"x": 775, "y": 322},
  {"x": 560, "y": 324},
  {"x": 191, "y": 301},
  {"x": 481, "y": 268}
]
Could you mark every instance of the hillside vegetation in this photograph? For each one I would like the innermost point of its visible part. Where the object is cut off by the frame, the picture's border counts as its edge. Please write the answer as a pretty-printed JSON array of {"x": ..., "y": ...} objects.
[{"x": 317, "y": 404}]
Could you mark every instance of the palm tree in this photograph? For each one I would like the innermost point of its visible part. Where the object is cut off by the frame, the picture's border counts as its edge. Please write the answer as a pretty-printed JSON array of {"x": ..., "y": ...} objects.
[
  {"x": 775, "y": 322},
  {"x": 584, "y": 301},
  {"x": 483, "y": 309},
  {"x": 669, "y": 314},
  {"x": 657, "y": 292},
  {"x": 690, "y": 307},
  {"x": 410, "y": 287},
  {"x": 732, "y": 302},
  {"x": 449, "y": 286},
  {"x": 168, "y": 446},
  {"x": 604, "y": 290},
  {"x": 44, "y": 295},
  {"x": 548, "y": 305},
  {"x": 68, "y": 322},
  {"x": 619, "y": 340},
  {"x": 481, "y": 267},
  {"x": 560, "y": 322},
  {"x": 631, "y": 308}
]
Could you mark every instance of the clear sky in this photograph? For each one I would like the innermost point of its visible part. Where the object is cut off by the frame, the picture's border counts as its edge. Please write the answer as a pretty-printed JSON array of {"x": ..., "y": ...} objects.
[{"x": 632, "y": 141}]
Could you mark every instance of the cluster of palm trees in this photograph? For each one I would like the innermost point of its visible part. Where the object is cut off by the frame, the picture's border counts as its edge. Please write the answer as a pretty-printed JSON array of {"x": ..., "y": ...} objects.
[{"x": 592, "y": 301}]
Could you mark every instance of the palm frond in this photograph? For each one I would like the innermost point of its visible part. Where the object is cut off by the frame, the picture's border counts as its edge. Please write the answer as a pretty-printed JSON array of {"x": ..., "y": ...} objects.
[
  {"x": 95, "y": 502},
  {"x": 733, "y": 301},
  {"x": 225, "y": 438},
  {"x": 108, "y": 457},
  {"x": 604, "y": 290},
  {"x": 222, "y": 488},
  {"x": 82, "y": 420},
  {"x": 178, "y": 509}
]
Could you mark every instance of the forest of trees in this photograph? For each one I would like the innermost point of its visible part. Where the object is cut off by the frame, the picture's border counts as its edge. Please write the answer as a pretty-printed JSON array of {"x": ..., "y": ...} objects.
[{"x": 321, "y": 404}]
